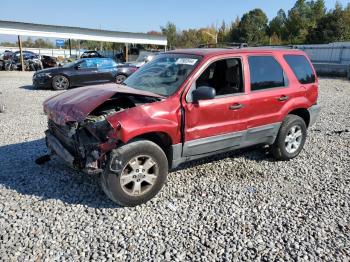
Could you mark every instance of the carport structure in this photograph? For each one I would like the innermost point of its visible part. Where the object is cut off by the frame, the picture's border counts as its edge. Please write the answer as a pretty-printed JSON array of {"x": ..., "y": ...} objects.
[{"x": 68, "y": 32}]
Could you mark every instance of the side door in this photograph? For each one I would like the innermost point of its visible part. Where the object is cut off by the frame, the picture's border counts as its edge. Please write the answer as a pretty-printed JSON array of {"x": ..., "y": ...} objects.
[
  {"x": 214, "y": 125},
  {"x": 107, "y": 70},
  {"x": 271, "y": 92},
  {"x": 85, "y": 73}
]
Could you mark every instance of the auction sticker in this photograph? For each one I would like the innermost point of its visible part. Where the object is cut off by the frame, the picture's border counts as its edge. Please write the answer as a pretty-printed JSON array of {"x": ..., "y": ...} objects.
[{"x": 186, "y": 61}]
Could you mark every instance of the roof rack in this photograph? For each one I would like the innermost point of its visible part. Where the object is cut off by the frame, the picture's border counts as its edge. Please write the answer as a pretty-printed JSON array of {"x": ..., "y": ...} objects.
[
  {"x": 224, "y": 45},
  {"x": 243, "y": 45},
  {"x": 276, "y": 46}
]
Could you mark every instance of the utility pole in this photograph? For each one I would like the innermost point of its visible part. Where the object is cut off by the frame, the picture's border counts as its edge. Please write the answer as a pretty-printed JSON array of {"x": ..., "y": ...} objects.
[
  {"x": 20, "y": 50},
  {"x": 70, "y": 48},
  {"x": 126, "y": 52}
]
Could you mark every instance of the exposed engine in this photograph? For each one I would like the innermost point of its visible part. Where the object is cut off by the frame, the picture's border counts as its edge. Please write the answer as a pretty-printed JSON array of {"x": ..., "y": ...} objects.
[
  {"x": 82, "y": 139},
  {"x": 121, "y": 102}
]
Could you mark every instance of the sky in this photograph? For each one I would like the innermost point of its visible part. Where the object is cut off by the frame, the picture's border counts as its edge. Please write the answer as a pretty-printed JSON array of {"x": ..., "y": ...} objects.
[{"x": 137, "y": 15}]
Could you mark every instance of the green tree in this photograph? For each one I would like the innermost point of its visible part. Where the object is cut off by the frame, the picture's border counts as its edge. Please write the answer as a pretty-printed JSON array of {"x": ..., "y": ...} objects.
[
  {"x": 298, "y": 22},
  {"x": 223, "y": 33},
  {"x": 277, "y": 28},
  {"x": 330, "y": 28},
  {"x": 318, "y": 11},
  {"x": 170, "y": 32},
  {"x": 347, "y": 22},
  {"x": 234, "y": 32},
  {"x": 253, "y": 27}
]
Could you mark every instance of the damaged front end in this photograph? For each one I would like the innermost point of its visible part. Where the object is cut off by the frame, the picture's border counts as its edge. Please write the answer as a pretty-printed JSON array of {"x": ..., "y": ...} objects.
[
  {"x": 81, "y": 145},
  {"x": 83, "y": 142}
]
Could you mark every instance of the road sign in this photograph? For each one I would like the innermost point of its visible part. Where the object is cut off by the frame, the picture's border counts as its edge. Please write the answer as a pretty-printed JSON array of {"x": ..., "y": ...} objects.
[{"x": 59, "y": 43}]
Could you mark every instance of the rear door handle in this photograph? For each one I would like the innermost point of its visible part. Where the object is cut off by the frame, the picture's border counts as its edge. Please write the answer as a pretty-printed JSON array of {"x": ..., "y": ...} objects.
[
  {"x": 236, "y": 106},
  {"x": 283, "y": 98}
]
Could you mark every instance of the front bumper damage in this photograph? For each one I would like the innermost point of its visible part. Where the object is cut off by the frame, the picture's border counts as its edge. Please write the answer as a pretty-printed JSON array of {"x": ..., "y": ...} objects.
[{"x": 78, "y": 147}]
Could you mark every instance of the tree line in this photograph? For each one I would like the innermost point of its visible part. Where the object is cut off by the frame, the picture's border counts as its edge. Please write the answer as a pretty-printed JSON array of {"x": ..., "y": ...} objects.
[{"x": 307, "y": 22}]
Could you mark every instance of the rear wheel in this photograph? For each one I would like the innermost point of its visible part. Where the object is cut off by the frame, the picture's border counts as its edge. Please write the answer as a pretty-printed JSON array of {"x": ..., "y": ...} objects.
[
  {"x": 134, "y": 173},
  {"x": 120, "y": 79},
  {"x": 290, "y": 139},
  {"x": 60, "y": 82}
]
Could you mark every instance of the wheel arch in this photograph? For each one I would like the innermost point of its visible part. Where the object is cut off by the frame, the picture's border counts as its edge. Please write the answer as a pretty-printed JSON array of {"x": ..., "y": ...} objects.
[
  {"x": 303, "y": 113},
  {"x": 162, "y": 139}
]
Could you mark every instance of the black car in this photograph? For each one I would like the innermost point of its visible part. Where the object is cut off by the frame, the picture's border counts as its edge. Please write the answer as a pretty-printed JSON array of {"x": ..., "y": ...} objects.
[
  {"x": 48, "y": 61},
  {"x": 82, "y": 72},
  {"x": 124, "y": 71},
  {"x": 91, "y": 54}
]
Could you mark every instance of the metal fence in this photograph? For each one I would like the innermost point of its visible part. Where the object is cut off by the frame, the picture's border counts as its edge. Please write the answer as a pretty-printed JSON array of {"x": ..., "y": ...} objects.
[{"x": 335, "y": 53}]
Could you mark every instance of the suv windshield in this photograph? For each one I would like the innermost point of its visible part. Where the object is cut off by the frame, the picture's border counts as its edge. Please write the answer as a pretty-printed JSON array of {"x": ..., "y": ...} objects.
[{"x": 164, "y": 75}]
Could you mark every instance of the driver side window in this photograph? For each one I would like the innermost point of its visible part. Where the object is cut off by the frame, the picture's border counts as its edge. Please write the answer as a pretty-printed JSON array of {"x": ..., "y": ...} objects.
[
  {"x": 88, "y": 63},
  {"x": 225, "y": 76}
]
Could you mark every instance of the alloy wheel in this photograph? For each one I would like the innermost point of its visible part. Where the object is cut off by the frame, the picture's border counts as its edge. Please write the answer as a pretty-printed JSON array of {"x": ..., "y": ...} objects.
[
  {"x": 293, "y": 139},
  {"x": 61, "y": 82},
  {"x": 139, "y": 175}
]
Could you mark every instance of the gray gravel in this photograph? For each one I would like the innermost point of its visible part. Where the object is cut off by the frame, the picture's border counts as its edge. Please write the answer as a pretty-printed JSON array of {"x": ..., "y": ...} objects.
[{"x": 239, "y": 206}]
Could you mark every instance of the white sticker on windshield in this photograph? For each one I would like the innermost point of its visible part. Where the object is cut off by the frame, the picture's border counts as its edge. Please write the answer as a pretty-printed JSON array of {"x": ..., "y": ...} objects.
[{"x": 186, "y": 61}]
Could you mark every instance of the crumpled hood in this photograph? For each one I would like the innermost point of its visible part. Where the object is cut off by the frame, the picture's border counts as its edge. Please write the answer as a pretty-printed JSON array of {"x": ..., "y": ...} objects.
[{"x": 78, "y": 103}]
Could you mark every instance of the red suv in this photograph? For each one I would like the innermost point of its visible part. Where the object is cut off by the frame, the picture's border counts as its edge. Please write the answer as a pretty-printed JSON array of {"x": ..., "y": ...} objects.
[{"x": 183, "y": 105}]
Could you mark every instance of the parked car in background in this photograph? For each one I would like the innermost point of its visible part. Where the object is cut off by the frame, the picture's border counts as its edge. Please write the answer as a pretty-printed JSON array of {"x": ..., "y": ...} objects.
[
  {"x": 91, "y": 54},
  {"x": 32, "y": 61},
  {"x": 123, "y": 72},
  {"x": 2, "y": 62},
  {"x": 79, "y": 73},
  {"x": 184, "y": 105},
  {"x": 7, "y": 55},
  {"x": 49, "y": 61},
  {"x": 143, "y": 58},
  {"x": 26, "y": 55},
  {"x": 126, "y": 69},
  {"x": 119, "y": 57}
]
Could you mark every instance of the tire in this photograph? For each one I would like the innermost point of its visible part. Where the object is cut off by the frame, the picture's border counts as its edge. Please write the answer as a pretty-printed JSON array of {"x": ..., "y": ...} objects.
[
  {"x": 60, "y": 82},
  {"x": 120, "y": 78},
  {"x": 134, "y": 173},
  {"x": 290, "y": 139},
  {"x": 7, "y": 67}
]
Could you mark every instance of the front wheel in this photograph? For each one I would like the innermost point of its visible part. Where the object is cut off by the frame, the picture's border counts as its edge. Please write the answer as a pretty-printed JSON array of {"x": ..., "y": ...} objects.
[
  {"x": 134, "y": 173},
  {"x": 290, "y": 139},
  {"x": 60, "y": 82}
]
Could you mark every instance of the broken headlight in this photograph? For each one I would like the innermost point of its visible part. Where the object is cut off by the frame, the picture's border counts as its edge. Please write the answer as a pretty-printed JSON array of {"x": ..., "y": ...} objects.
[{"x": 99, "y": 128}]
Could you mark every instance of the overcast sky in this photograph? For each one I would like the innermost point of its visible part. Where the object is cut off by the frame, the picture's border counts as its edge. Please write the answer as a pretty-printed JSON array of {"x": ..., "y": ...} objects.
[{"x": 137, "y": 15}]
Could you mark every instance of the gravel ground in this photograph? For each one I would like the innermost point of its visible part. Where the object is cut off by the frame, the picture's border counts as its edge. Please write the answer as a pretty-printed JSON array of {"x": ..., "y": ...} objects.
[{"x": 238, "y": 206}]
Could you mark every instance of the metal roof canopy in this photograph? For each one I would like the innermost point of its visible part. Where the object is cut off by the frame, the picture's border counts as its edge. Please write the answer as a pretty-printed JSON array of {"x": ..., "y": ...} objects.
[{"x": 68, "y": 32}]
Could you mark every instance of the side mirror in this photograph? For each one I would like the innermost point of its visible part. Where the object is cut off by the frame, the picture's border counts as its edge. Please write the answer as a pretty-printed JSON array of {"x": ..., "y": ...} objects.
[
  {"x": 203, "y": 93},
  {"x": 77, "y": 67}
]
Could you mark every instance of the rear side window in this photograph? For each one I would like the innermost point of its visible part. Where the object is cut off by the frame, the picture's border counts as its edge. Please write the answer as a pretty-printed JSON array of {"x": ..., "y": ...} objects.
[
  {"x": 103, "y": 63},
  {"x": 301, "y": 68},
  {"x": 265, "y": 72}
]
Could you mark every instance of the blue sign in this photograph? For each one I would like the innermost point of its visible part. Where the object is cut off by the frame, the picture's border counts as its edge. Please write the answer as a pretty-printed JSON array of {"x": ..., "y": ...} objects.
[{"x": 59, "y": 43}]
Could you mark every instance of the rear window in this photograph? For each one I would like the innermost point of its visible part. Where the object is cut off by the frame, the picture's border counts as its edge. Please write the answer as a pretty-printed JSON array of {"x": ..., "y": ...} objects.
[
  {"x": 301, "y": 68},
  {"x": 265, "y": 72}
]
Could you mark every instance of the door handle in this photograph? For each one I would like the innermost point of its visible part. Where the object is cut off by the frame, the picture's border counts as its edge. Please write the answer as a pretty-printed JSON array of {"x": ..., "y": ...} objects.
[
  {"x": 236, "y": 106},
  {"x": 283, "y": 98}
]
